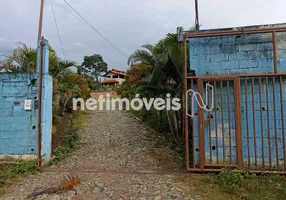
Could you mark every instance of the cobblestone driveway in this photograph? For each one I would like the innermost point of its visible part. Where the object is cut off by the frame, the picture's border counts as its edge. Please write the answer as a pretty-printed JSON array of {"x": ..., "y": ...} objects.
[{"x": 116, "y": 162}]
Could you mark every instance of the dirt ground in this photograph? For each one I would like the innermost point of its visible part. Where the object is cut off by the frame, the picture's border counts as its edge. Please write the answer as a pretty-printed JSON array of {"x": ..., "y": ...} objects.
[
  {"x": 120, "y": 159},
  {"x": 61, "y": 130}
]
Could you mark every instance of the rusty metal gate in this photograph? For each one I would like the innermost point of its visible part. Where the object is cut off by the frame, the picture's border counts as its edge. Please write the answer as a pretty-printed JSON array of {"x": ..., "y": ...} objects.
[{"x": 241, "y": 125}]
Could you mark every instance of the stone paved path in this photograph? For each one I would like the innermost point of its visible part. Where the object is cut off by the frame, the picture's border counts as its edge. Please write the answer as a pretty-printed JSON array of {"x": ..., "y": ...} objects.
[{"x": 120, "y": 159}]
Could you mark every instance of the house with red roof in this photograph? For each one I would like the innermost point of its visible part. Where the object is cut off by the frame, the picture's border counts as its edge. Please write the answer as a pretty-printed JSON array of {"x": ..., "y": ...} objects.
[{"x": 114, "y": 77}]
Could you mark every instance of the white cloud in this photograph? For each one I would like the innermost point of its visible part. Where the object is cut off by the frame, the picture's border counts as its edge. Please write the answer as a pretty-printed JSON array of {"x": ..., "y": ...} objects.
[{"x": 127, "y": 24}]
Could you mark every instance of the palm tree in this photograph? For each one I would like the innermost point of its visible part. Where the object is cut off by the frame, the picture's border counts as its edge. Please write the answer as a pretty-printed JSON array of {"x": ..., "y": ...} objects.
[
  {"x": 53, "y": 58},
  {"x": 60, "y": 68},
  {"x": 157, "y": 70},
  {"x": 126, "y": 90},
  {"x": 72, "y": 85},
  {"x": 23, "y": 58},
  {"x": 137, "y": 72}
]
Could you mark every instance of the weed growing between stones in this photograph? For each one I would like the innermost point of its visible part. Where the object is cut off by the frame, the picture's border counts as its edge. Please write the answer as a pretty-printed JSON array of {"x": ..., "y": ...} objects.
[
  {"x": 71, "y": 140},
  {"x": 10, "y": 172}
]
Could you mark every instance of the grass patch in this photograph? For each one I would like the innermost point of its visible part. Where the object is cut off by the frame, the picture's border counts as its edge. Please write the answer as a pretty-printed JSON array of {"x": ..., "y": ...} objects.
[
  {"x": 10, "y": 172},
  {"x": 167, "y": 152},
  {"x": 71, "y": 140},
  {"x": 199, "y": 186},
  {"x": 245, "y": 185},
  {"x": 232, "y": 185}
]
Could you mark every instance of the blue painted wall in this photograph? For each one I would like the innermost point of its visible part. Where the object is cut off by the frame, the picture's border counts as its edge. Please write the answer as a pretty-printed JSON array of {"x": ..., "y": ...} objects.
[
  {"x": 261, "y": 131},
  {"x": 240, "y": 54},
  {"x": 47, "y": 117},
  {"x": 18, "y": 127},
  {"x": 244, "y": 54},
  {"x": 47, "y": 96}
]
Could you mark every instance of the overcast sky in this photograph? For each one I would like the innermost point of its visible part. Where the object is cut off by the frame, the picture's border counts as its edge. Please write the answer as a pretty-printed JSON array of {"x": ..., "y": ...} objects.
[{"x": 128, "y": 24}]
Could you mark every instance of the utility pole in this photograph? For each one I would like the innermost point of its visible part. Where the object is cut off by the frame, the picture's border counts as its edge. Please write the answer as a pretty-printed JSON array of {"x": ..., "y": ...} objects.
[
  {"x": 197, "y": 15},
  {"x": 41, "y": 20},
  {"x": 40, "y": 64}
]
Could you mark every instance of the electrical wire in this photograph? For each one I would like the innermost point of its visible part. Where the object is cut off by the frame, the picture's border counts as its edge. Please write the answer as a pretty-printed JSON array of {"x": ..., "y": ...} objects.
[
  {"x": 60, "y": 39},
  {"x": 101, "y": 35},
  {"x": 67, "y": 10}
]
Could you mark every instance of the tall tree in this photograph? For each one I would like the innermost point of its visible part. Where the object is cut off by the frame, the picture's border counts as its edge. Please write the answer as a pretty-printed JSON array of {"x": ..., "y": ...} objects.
[
  {"x": 95, "y": 64},
  {"x": 82, "y": 71}
]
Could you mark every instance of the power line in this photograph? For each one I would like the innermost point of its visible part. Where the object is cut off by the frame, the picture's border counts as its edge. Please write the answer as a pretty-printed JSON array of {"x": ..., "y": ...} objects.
[
  {"x": 60, "y": 39},
  {"x": 96, "y": 30},
  {"x": 67, "y": 11}
]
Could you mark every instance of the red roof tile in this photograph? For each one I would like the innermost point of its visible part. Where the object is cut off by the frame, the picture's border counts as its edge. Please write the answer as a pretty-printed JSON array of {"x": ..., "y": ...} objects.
[
  {"x": 115, "y": 71},
  {"x": 109, "y": 81}
]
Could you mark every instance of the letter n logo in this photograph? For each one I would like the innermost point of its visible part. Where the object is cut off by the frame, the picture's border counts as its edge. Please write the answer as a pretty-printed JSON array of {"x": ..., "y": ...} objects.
[{"x": 208, "y": 106}]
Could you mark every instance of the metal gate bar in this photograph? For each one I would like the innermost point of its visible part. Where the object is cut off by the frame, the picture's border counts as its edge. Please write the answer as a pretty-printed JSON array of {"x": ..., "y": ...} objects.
[
  {"x": 261, "y": 121},
  {"x": 282, "y": 116},
  {"x": 260, "y": 139},
  {"x": 249, "y": 113}
]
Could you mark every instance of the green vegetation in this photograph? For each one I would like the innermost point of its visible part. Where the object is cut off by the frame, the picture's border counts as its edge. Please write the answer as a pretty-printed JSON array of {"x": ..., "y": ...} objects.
[
  {"x": 71, "y": 140},
  {"x": 155, "y": 71},
  {"x": 230, "y": 181},
  {"x": 94, "y": 65},
  {"x": 103, "y": 88},
  {"x": 244, "y": 185},
  {"x": 71, "y": 86},
  {"x": 230, "y": 185},
  {"x": 24, "y": 59},
  {"x": 201, "y": 186},
  {"x": 10, "y": 172}
]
